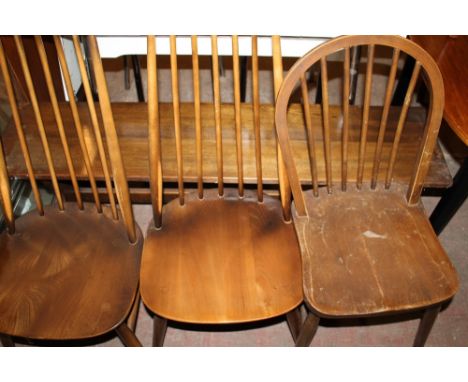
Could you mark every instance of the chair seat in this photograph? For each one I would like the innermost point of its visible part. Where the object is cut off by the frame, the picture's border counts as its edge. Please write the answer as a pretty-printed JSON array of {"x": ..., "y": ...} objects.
[
  {"x": 66, "y": 275},
  {"x": 367, "y": 252},
  {"x": 221, "y": 260}
]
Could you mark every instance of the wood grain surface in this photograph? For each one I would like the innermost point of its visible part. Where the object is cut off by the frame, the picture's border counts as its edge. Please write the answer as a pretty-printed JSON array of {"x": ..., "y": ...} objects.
[
  {"x": 67, "y": 275},
  {"x": 221, "y": 260},
  {"x": 131, "y": 123},
  {"x": 367, "y": 252}
]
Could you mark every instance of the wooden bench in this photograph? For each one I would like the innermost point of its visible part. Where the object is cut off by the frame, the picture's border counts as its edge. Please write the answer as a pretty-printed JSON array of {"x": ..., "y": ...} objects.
[{"x": 131, "y": 121}]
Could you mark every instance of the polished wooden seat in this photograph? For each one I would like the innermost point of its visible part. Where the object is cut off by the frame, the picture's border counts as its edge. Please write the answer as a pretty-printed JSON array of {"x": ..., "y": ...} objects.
[
  {"x": 67, "y": 275},
  {"x": 217, "y": 255},
  {"x": 367, "y": 246},
  {"x": 68, "y": 271},
  {"x": 221, "y": 260}
]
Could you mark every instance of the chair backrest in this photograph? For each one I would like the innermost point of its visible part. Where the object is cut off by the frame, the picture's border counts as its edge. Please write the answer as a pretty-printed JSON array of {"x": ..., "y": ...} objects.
[
  {"x": 341, "y": 151},
  {"x": 155, "y": 156},
  {"x": 44, "y": 135}
]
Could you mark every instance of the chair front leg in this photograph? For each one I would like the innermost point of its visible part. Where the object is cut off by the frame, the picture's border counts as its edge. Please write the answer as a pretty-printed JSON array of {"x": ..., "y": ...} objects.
[
  {"x": 425, "y": 326},
  {"x": 295, "y": 321},
  {"x": 308, "y": 330},
  {"x": 127, "y": 337}
]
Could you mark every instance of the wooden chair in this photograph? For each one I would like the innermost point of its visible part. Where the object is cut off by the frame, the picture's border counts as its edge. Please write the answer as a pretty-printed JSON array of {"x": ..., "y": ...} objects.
[
  {"x": 68, "y": 272},
  {"x": 367, "y": 247},
  {"x": 218, "y": 255}
]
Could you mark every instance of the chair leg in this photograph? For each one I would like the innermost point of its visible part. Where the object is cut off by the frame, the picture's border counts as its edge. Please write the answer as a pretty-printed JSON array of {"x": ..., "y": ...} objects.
[
  {"x": 133, "y": 316},
  {"x": 308, "y": 330},
  {"x": 159, "y": 330},
  {"x": 294, "y": 319},
  {"x": 127, "y": 337},
  {"x": 7, "y": 341},
  {"x": 426, "y": 324}
]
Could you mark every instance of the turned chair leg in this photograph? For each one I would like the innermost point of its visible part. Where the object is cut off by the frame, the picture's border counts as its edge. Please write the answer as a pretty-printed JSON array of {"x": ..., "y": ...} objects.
[
  {"x": 6, "y": 341},
  {"x": 159, "y": 330},
  {"x": 295, "y": 320},
  {"x": 133, "y": 316},
  {"x": 127, "y": 337},
  {"x": 308, "y": 330},
  {"x": 426, "y": 324}
]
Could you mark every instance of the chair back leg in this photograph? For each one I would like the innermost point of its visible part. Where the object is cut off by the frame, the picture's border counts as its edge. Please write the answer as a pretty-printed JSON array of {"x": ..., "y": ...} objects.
[
  {"x": 426, "y": 324},
  {"x": 159, "y": 330}
]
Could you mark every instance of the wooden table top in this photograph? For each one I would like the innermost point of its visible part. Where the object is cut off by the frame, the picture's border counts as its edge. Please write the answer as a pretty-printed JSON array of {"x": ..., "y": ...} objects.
[{"x": 451, "y": 54}]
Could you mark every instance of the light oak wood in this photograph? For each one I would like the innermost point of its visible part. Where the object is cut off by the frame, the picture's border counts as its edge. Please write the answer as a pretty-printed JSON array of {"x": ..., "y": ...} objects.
[
  {"x": 92, "y": 110},
  {"x": 196, "y": 103},
  {"x": 58, "y": 117},
  {"x": 67, "y": 275},
  {"x": 176, "y": 109},
  {"x": 5, "y": 201},
  {"x": 237, "y": 113},
  {"x": 76, "y": 120},
  {"x": 39, "y": 122},
  {"x": 370, "y": 249},
  {"x": 217, "y": 114},
  {"x": 19, "y": 130},
  {"x": 256, "y": 117},
  {"x": 285, "y": 192},
  {"x": 154, "y": 135},
  {"x": 113, "y": 146},
  {"x": 238, "y": 260},
  {"x": 71, "y": 271}
]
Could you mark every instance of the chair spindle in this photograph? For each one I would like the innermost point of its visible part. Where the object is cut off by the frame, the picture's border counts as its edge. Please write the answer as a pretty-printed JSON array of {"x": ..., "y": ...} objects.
[
  {"x": 365, "y": 115},
  {"x": 95, "y": 124},
  {"x": 58, "y": 118},
  {"x": 154, "y": 134},
  {"x": 40, "y": 124},
  {"x": 384, "y": 119},
  {"x": 326, "y": 124},
  {"x": 256, "y": 116},
  {"x": 345, "y": 137},
  {"x": 197, "y": 109},
  {"x": 217, "y": 113},
  {"x": 310, "y": 134},
  {"x": 19, "y": 130}
]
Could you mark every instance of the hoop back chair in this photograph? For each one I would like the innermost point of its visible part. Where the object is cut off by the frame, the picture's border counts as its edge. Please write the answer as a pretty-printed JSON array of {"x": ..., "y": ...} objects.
[
  {"x": 367, "y": 246},
  {"x": 215, "y": 255},
  {"x": 68, "y": 271}
]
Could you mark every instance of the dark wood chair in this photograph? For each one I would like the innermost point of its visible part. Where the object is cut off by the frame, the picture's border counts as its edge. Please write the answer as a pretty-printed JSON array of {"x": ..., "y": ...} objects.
[
  {"x": 367, "y": 245},
  {"x": 69, "y": 271},
  {"x": 218, "y": 255}
]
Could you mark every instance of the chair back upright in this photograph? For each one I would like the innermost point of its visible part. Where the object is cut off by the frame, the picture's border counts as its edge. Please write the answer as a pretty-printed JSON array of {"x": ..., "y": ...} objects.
[
  {"x": 45, "y": 132},
  {"x": 154, "y": 131},
  {"x": 342, "y": 153}
]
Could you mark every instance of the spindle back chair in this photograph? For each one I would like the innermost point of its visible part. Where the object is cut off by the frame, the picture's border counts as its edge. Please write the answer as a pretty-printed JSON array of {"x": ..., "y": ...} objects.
[
  {"x": 69, "y": 271},
  {"x": 367, "y": 245},
  {"x": 216, "y": 255}
]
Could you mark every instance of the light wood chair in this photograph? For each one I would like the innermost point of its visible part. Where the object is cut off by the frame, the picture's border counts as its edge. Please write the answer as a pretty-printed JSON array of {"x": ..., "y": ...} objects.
[
  {"x": 367, "y": 246},
  {"x": 68, "y": 272},
  {"x": 218, "y": 255}
]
